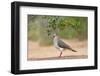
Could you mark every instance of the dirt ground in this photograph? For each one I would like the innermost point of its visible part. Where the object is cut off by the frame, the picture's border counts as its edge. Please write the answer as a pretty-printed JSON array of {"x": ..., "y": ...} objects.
[{"x": 36, "y": 52}]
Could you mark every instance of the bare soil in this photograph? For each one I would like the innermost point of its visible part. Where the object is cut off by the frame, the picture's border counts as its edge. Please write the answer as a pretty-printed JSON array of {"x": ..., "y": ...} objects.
[{"x": 37, "y": 52}]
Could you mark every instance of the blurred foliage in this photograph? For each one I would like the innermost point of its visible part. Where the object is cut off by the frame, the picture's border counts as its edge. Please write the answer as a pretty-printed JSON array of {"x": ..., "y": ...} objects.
[{"x": 69, "y": 27}]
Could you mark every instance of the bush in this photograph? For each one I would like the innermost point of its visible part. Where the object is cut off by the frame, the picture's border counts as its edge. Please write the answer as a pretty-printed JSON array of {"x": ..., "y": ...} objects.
[{"x": 67, "y": 27}]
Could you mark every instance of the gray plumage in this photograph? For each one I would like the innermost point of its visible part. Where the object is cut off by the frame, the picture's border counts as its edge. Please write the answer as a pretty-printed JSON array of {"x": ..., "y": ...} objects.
[{"x": 60, "y": 45}]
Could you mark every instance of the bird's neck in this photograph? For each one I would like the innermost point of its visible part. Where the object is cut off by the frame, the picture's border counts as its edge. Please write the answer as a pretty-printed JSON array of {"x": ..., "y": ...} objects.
[{"x": 56, "y": 38}]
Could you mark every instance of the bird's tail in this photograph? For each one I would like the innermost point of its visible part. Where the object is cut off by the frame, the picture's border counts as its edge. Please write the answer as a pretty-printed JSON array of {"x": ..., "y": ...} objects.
[{"x": 73, "y": 50}]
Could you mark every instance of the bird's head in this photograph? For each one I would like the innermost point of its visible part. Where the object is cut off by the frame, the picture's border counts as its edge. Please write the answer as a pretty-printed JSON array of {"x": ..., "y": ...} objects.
[{"x": 54, "y": 35}]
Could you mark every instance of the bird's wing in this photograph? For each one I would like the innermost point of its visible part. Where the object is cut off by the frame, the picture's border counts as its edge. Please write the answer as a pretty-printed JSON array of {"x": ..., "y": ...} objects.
[{"x": 63, "y": 45}]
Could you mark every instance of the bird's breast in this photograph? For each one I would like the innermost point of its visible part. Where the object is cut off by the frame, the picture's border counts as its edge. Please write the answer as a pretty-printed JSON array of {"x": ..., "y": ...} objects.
[{"x": 56, "y": 45}]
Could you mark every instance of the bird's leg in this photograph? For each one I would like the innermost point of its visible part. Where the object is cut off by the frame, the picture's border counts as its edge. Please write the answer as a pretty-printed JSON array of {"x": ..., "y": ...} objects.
[{"x": 60, "y": 54}]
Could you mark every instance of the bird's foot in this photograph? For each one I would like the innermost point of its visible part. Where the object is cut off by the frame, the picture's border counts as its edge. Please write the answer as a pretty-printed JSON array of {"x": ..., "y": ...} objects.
[{"x": 60, "y": 54}]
